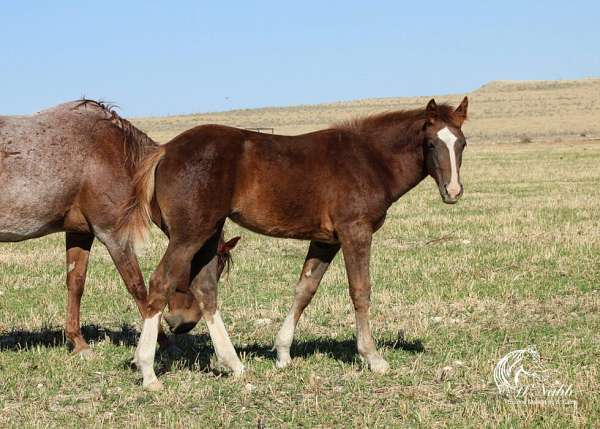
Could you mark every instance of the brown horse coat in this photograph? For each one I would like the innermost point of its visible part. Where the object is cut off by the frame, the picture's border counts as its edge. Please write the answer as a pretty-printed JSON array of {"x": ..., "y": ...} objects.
[{"x": 332, "y": 187}]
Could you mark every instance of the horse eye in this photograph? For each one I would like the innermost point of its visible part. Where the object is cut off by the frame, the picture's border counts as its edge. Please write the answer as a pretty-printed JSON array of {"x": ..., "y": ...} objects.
[{"x": 430, "y": 145}]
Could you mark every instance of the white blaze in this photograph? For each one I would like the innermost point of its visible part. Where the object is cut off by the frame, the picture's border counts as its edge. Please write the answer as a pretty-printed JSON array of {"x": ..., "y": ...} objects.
[{"x": 449, "y": 138}]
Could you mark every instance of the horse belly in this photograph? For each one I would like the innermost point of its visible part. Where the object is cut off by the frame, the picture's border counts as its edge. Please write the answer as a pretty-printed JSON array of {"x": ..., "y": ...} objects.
[
  {"x": 33, "y": 204},
  {"x": 24, "y": 218},
  {"x": 279, "y": 199},
  {"x": 26, "y": 231},
  {"x": 289, "y": 226}
]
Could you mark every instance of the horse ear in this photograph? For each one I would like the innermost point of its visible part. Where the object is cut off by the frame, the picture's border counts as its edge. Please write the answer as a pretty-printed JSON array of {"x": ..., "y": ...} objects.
[
  {"x": 229, "y": 245},
  {"x": 431, "y": 106},
  {"x": 430, "y": 112},
  {"x": 461, "y": 111}
]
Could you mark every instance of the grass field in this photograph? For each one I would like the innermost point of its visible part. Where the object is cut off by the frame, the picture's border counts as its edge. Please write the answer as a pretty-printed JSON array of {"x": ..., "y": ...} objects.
[{"x": 515, "y": 263}]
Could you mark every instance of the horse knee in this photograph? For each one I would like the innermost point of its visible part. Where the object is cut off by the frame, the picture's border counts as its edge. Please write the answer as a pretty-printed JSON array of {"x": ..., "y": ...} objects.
[
  {"x": 157, "y": 295},
  {"x": 137, "y": 289},
  {"x": 361, "y": 298}
]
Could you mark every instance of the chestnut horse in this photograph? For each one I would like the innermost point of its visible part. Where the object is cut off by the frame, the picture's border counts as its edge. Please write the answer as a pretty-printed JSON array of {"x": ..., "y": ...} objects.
[
  {"x": 70, "y": 168},
  {"x": 332, "y": 187}
]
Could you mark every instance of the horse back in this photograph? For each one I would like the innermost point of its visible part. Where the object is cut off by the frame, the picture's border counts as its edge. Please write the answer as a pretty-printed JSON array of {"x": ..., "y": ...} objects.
[
  {"x": 47, "y": 161},
  {"x": 292, "y": 186}
]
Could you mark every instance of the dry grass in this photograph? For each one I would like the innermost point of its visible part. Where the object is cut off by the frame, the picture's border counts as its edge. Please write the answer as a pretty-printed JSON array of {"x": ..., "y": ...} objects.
[
  {"x": 500, "y": 111},
  {"x": 516, "y": 262}
]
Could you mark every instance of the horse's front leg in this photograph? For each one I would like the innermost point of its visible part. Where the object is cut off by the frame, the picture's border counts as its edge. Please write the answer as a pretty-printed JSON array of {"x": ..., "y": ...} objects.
[
  {"x": 129, "y": 268},
  {"x": 174, "y": 269},
  {"x": 356, "y": 247},
  {"x": 78, "y": 252}
]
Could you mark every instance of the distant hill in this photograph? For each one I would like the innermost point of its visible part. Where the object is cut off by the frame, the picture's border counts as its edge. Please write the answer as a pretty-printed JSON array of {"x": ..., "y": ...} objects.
[{"x": 500, "y": 111}]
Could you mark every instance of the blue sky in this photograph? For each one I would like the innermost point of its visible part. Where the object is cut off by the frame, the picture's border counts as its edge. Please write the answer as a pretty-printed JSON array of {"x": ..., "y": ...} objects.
[{"x": 159, "y": 58}]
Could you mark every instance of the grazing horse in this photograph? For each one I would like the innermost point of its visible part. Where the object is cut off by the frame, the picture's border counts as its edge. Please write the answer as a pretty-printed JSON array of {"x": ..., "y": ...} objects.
[
  {"x": 332, "y": 187},
  {"x": 70, "y": 168}
]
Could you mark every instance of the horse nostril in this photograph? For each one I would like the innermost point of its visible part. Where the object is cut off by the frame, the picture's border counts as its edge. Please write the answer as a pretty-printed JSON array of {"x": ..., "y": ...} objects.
[
  {"x": 446, "y": 189},
  {"x": 453, "y": 190}
]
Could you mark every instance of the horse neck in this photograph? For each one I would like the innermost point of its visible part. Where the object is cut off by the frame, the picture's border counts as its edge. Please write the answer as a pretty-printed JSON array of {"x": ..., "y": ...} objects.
[{"x": 401, "y": 154}]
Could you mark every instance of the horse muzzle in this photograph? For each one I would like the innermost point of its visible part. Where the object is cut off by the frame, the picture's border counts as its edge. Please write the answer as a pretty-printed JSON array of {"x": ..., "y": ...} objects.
[
  {"x": 449, "y": 195},
  {"x": 179, "y": 323}
]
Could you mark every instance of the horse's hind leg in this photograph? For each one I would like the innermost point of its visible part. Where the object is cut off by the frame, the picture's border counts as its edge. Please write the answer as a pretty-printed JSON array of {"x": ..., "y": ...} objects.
[
  {"x": 204, "y": 288},
  {"x": 78, "y": 252},
  {"x": 316, "y": 263}
]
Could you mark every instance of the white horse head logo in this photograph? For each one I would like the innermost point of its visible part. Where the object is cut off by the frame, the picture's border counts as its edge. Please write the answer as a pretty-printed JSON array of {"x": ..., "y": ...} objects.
[{"x": 518, "y": 369}]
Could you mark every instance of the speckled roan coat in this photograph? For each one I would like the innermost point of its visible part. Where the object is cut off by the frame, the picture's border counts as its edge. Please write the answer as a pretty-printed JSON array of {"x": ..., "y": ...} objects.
[{"x": 69, "y": 168}]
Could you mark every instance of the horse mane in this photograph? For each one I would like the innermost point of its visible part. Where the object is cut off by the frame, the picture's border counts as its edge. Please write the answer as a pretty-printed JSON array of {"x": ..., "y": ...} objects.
[
  {"x": 135, "y": 141},
  {"x": 368, "y": 124}
]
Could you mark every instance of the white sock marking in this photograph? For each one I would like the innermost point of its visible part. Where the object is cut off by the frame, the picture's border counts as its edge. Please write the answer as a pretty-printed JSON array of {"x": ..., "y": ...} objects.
[
  {"x": 284, "y": 339},
  {"x": 285, "y": 336},
  {"x": 449, "y": 138},
  {"x": 144, "y": 354},
  {"x": 222, "y": 344}
]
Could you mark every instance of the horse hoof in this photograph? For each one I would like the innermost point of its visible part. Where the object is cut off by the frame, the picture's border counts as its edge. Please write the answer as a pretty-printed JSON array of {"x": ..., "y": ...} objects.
[
  {"x": 239, "y": 371},
  {"x": 86, "y": 354},
  {"x": 378, "y": 365},
  {"x": 282, "y": 363},
  {"x": 155, "y": 386}
]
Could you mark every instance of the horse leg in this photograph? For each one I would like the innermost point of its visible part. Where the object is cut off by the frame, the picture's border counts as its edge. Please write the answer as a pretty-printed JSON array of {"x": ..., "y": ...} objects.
[
  {"x": 174, "y": 269},
  {"x": 78, "y": 252},
  {"x": 204, "y": 288},
  {"x": 316, "y": 263},
  {"x": 356, "y": 247},
  {"x": 128, "y": 267}
]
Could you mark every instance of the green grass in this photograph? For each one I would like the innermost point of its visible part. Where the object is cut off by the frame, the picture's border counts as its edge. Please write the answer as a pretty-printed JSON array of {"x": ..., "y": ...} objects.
[{"x": 516, "y": 262}]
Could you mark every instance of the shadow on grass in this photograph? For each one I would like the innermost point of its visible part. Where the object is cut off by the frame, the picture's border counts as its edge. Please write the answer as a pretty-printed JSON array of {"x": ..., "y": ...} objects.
[
  {"x": 16, "y": 340},
  {"x": 195, "y": 351},
  {"x": 342, "y": 350}
]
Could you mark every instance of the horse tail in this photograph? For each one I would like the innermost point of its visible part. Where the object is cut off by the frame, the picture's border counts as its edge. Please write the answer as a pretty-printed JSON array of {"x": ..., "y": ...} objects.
[{"x": 133, "y": 225}]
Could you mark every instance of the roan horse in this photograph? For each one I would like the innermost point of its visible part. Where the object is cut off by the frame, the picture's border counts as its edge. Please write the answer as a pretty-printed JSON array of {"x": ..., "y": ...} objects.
[
  {"x": 70, "y": 168},
  {"x": 332, "y": 187}
]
